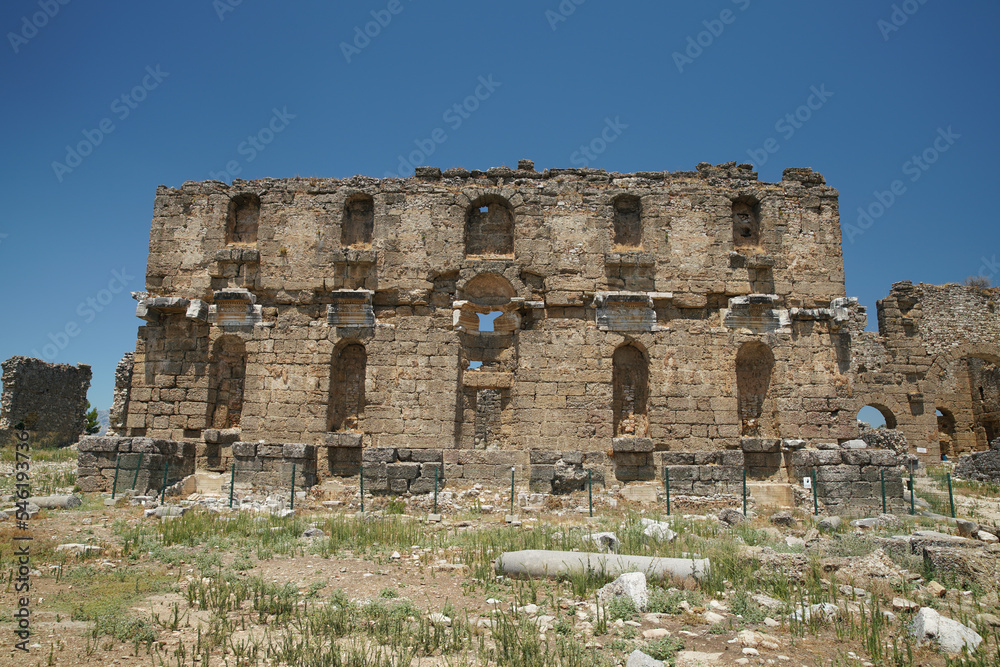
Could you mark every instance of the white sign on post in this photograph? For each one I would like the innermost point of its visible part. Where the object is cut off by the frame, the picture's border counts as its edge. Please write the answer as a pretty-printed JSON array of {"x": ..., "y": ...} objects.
[{"x": 807, "y": 483}]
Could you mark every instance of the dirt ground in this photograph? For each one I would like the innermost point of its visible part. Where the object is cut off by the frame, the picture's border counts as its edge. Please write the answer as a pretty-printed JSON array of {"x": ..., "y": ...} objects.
[{"x": 129, "y": 578}]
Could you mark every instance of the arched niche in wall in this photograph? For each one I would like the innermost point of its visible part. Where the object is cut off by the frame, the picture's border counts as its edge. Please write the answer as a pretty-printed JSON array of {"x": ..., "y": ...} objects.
[
  {"x": 489, "y": 227},
  {"x": 630, "y": 392},
  {"x": 746, "y": 222},
  {"x": 754, "y": 367},
  {"x": 627, "y": 221},
  {"x": 348, "y": 370},
  {"x": 228, "y": 369},
  {"x": 358, "y": 221},
  {"x": 242, "y": 219}
]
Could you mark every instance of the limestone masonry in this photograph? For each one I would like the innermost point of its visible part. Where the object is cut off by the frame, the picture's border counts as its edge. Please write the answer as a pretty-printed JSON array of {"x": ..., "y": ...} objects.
[
  {"x": 460, "y": 323},
  {"x": 49, "y": 399}
]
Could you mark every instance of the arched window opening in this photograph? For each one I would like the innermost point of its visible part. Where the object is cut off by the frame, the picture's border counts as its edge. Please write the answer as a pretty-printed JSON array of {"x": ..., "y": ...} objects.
[
  {"x": 754, "y": 364},
  {"x": 242, "y": 219},
  {"x": 746, "y": 222},
  {"x": 347, "y": 388},
  {"x": 359, "y": 221},
  {"x": 874, "y": 415},
  {"x": 628, "y": 221},
  {"x": 489, "y": 227},
  {"x": 630, "y": 392},
  {"x": 229, "y": 361}
]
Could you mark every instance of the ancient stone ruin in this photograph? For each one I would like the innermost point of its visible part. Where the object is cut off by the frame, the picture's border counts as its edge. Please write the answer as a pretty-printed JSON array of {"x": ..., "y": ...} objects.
[
  {"x": 560, "y": 323},
  {"x": 47, "y": 399}
]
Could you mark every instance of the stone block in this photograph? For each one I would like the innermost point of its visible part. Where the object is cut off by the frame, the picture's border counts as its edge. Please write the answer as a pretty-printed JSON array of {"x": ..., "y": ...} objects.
[
  {"x": 543, "y": 456},
  {"x": 684, "y": 473},
  {"x": 378, "y": 455},
  {"x": 426, "y": 455},
  {"x": 428, "y": 470},
  {"x": 270, "y": 451},
  {"x": 246, "y": 450},
  {"x": 374, "y": 470},
  {"x": 399, "y": 485},
  {"x": 632, "y": 445},
  {"x": 454, "y": 471},
  {"x": 101, "y": 443},
  {"x": 885, "y": 457},
  {"x": 758, "y": 445},
  {"x": 856, "y": 457},
  {"x": 543, "y": 472},
  {"x": 841, "y": 473},
  {"x": 425, "y": 485},
  {"x": 298, "y": 451},
  {"x": 378, "y": 484},
  {"x": 678, "y": 458},
  {"x": 573, "y": 457},
  {"x": 402, "y": 470}
]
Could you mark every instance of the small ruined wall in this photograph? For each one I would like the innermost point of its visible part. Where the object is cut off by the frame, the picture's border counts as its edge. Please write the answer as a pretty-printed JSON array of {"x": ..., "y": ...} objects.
[
  {"x": 123, "y": 387},
  {"x": 270, "y": 465},
  {"x": 98, "y": 455},
  {"x": 850, "y": 480},
  {"x": 48, "y": 399},
  {"x": 981, "y": 466}
]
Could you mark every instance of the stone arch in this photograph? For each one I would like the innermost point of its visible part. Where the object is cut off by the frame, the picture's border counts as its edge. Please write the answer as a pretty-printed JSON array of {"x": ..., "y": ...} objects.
[
  {"x": 746, "y": 221},
  {"x": 957, "y": 378},
  {"x": 358, "y": 221},
  {"x": 754, "y": 369},
  {"x": 228, "y": 364},
  {"x": 488, "y": 293},
  {"x": 489, "y": 226},
  {"x": 242, "y": 219},
  {"x": 627, "y": 221},
  {"x": 348, "y": 371},
  {"x": 630, "y": 391},
  {"x": 888, "y": 414}
]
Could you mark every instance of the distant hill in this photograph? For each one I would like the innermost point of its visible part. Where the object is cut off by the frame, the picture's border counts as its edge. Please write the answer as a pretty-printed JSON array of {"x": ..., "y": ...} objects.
[{"x": 103, "y": 418}]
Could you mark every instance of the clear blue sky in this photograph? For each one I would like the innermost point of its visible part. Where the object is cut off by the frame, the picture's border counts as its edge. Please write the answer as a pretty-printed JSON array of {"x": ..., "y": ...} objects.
[{"x": 73, "y": 236}]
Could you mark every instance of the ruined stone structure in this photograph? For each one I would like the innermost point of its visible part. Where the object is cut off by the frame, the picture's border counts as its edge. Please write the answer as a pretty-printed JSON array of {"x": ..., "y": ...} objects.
[
  {"x": 633, "y": 317},
  {"x": 47, "y": 399}
]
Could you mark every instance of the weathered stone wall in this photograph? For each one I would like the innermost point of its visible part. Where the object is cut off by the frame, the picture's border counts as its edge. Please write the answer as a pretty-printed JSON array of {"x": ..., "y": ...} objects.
[
  {"x": 123, "y": 386},
  {"x": 936, "y": 346},
  {"x": 142, "y": 463},
  {"x": 981, "y": 466},
  {"x": 48, "y": 399},
  {"x": 661, "y": 279},
  {"x": 636, "y": 315}
]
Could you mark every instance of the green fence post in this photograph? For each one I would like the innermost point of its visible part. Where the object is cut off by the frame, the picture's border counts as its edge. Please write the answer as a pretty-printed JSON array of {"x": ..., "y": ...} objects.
[
  {"x": 883, "y": 491},
  {"x": 666, "y": 482},
  {"x": 361, "y": 478},
  {"x": 163, "y": 486},
  {"x": 951, "y": 497},
  {"x": 590, "y": 492},
  {"x": 744, "y": 491},
  {"x": 435, "y": 490},
  {"x": 815, "y": 494},
  {"x": 135, "y": 477},
  {"x": 512, "y": 490},
  {"x": 232, "y": 484},
  {"x": 291, "y": 503},
  {"x": 114, "y": 486},
  {"x": 912, "y": 491}
]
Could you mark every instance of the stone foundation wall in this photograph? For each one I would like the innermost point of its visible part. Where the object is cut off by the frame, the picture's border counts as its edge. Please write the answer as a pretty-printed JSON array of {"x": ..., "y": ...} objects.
[
  {"x": 270, "y": 464},
  {"x": 981, "y": 466},
  {"x": 98, "y": 455},
  {"x": 850, "y": 480}
]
